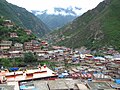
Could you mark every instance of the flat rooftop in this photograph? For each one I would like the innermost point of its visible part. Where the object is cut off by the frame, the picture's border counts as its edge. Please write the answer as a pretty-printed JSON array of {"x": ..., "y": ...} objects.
[
  {"x": 44, "y": 72},
  {"x": 59, "y": 84},
  {"x": 99, "y": 86},
  {"x": 6, "y": 87}
]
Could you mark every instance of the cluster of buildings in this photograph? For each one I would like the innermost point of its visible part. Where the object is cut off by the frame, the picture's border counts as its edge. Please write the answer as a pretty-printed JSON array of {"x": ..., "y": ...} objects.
[
  {"x": 43, "y": 78},
  {"x": 8, "y": 49},
  {"x": 12, "y": 80},
  {"x": 12, "y": 49},
  {"x": 14, "y": 35},
  {"x": 74, "y": 70}
]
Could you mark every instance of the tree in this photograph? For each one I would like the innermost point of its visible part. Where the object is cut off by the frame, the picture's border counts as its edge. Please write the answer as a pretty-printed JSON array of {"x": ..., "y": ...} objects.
[
  {"x": 5, "y": 62},
  {"x": 29, "y": 57}
]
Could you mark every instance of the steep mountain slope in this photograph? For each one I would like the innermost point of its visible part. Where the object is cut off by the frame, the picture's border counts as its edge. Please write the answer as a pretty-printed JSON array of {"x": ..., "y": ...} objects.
[
  {"x": 11, "y": 32},
  {"x": 59, "y": 17},
  {"x": 96, "y": 28},
  {"x": 23, "y": 18},
  {"x": 55, "y": 21}
]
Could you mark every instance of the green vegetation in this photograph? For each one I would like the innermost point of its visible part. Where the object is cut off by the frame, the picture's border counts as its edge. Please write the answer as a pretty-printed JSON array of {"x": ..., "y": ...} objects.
[
  {"x": 23, "y": 18},
  {"x": 96, "y": 28},
  {"x": 29, "y": 57},
  {"x": 55, "y": 21},
  {"x": 48, "y": 63},
  {"x": 8, "y": 62},
  {"x": 22, "y": 36}
]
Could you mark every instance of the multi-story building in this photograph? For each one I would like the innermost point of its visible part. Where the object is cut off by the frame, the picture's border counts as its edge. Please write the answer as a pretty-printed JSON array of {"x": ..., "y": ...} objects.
[
  {"x": 13, "y": 35},
  {"x": 5, "y": 44}
]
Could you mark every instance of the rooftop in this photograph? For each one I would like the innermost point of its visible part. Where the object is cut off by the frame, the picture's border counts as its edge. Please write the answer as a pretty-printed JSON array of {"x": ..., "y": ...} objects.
[
  {"x": 99, "y": 86},
  {"x": 58, "y": 84},
  {"x": 6, "y": 87},
  {"x": 44, "y": 72}
]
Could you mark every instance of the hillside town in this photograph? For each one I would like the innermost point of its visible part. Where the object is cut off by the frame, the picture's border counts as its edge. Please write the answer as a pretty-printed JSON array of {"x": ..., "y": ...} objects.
[
  {"x": 63, "y": 69},
  {"x": 84, "y": 54},
  {"x": 70, "y": 69},
  {"x": 78, "y": 69}
]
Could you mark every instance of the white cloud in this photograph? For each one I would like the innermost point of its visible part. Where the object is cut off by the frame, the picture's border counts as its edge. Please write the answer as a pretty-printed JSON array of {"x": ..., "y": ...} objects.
[{"x": 49, "y": 4}]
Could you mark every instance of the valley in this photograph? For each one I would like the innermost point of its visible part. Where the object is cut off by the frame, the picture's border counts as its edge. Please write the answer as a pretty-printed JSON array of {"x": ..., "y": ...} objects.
[{"x": 82, "y": 53}]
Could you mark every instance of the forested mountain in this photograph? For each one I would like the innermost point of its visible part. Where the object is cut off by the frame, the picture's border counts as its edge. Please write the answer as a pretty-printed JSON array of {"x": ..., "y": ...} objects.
[
  {"x": 23, "y": 18},
  {"x": 9, "y": 31},
  {"x": 58, "y": 18},
  {"x": 96, "y": 28},
  {"x": 55, "y": 21}
]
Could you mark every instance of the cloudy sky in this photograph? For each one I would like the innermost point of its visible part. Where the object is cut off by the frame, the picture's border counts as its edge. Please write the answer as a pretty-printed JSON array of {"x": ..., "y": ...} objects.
[{"x": 50, "y": 4}]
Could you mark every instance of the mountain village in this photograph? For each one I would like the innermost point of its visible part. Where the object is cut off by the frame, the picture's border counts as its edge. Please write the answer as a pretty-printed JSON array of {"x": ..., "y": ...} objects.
[
  {"x": 72, "y": 69},
  {"x": 84, "y": 54}
]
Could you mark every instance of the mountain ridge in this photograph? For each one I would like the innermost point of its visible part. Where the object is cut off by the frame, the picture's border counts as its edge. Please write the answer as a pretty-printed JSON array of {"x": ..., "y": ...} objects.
[
  {"x": 58, "y": 17},
  {"x": 23, "y": 18},
  {"x": 96, "y": 28},
  {"x": 56, "y": 21},
  {"x": 73, "y": 11},
  {"x": 10, "y": 32}
]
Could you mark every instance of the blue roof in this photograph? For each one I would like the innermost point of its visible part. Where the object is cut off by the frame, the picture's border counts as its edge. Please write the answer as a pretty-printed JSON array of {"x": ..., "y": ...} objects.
[
  {"x": 117, "y": 81},
  {"x": 14, "y": 68},
  {"x": 23, "y": 87},
  {"x": 89, "y": 79},
  {"x": 61, "y": 76}
]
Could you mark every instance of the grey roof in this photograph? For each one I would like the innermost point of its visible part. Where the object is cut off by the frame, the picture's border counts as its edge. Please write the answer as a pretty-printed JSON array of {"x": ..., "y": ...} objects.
[
  {"x": 6, "y": 43},
  {"x": 71, "y": 83},
  {"x": 99, "y": 85},
  {"x": 60, "y": 84},
  {"x": 57, "y": 85},
  {"x": 112, "y": 84},
  {"x": 82, "y": 87},
  {"x": 41, "y": 85},
  {"x": 6, "y": 87}
]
